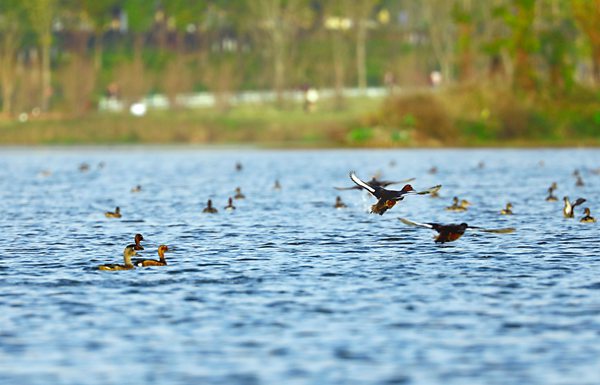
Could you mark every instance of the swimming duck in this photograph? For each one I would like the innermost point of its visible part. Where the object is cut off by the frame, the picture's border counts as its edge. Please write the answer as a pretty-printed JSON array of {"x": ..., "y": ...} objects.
[
  {"x": 374, "y": 182},
  {"x": 238, "y": 193},
  {"x": 136, "y": 189},
  {"x": 587, "y": 218},
  {"x": 209, "y": 209},
  {"x": 127, "y": 254},
  {"x": 458, "y": 205},
  {"x": 138, "y": 238},
  {"x": 433, "y": 170},
  {"x": 551, "y": 197},
  {"x": 238, "y": 166},
  {"x": 339, "y": 204},
  {"x": 83, "y": 167},
  {"x": 579, "y": 182},
  {"x": 507, "y": 210},
  {"x": 115, "y": 214},
  {"x": 230, "y": 206},
  {"x": 451, "y": 232},
  {"x": 386, "y": 199},
  {"x": 152, "y": 262},
  {"x": 570, "y": 206},
  {"x": 277, "y": 186}
]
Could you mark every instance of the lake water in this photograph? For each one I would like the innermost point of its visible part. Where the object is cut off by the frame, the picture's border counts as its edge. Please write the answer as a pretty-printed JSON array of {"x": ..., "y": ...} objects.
[{"x": 287, "y": 289}]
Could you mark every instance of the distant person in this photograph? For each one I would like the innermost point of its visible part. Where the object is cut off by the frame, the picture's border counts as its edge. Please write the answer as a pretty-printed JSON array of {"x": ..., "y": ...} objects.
[
  {"x": 435, "y": 78},
  {"x": 311, "y": 96}
]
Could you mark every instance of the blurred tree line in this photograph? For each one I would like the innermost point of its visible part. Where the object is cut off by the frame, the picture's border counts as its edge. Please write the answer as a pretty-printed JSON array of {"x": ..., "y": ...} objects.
[{"x": 62, "y": 56}]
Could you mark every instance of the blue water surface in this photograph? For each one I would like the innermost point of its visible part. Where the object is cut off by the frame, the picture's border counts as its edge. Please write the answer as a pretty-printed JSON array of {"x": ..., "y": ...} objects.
[{"x": 287, "y": 289}]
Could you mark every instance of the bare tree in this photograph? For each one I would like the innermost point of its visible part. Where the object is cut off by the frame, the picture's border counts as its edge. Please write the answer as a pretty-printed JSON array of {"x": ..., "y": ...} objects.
[
  {"x": 278, "y": 21},
  {"x": 41, "y": 14},
  {"x": 587, "y": 13},
  {"x": 11, "y": 30}
]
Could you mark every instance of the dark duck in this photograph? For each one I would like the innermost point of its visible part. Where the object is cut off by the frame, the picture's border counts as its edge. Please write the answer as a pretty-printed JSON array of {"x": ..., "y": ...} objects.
[
  {"x": 209, "y": 209},
  {"x": 451, "y": 232},
  {"x": 138, "y": 238},
  {"x": 230, "y": 206},
  {"x": 338, "y": 203},
  {"x": 587, "y": 216},
  {"x": 386, "y": 199}
]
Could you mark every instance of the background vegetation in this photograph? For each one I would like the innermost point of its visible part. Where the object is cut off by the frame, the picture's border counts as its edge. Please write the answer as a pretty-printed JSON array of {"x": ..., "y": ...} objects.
[{"x": 512, "y": 71}]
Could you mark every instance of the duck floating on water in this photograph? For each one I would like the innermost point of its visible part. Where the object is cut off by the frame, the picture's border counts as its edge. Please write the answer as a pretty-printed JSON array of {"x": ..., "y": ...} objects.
[
  {"x": 507, "y": 210},
  {"x": 386, "y": 199},
  {"x": 458, "y": 206},
  {"x": 339, "y": 204},
  {"x": 551, "y": 197},
  {"x": 451, "y": 232},
  {"x": 579, "y": 182},
  {"x": 230, "y": 206},
  {"x": 83, "y": 167},
  {"x": 115, "y": 214},
  {"x": 138, "y": 238},
  {"x": 277, "y": 185},
  {"x": 239, "y": 194},
  {"x": 152, "y": 262},
  {"x": 136, "y": 189},
  {"x": 587, "y": 216},
  {"x": 127, "y": 254},
  {"x": 568, "y": 209},
  {"x": 209, "y": 209}
]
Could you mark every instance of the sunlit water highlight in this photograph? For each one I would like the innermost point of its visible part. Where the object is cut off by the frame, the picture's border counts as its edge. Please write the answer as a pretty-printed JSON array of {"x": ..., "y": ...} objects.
[{"x": 287, "y": 289}]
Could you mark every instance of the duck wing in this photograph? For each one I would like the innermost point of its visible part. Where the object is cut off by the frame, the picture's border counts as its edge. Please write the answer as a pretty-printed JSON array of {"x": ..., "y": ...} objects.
[
  {"x": 417, "y": 224},
  {"x": 578, "y": 202},
  {"x": 385, "y": 183},
  {"x": 363, "y": 184},
  {"x": 399, "y": 195},
  {"x": 348, "y": 188},
  {"x": 430, "y": 190},
  {"x": 505, "y": 230}
]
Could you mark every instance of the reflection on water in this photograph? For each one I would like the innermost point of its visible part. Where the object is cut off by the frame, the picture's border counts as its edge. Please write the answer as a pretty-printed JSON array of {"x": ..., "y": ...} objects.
[{"x": 286, "y": 289}]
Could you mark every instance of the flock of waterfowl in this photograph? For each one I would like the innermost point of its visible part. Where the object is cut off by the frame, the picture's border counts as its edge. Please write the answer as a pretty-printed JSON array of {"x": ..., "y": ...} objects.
[{"x": 386, "y": 199}]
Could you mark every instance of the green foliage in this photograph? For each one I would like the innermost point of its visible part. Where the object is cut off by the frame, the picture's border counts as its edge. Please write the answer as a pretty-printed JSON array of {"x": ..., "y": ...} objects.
[{"x": 360, "y": 134}]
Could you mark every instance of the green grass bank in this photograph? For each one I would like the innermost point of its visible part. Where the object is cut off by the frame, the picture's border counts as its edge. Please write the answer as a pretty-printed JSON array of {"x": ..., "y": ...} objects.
[{"x": 470, "y": 117}]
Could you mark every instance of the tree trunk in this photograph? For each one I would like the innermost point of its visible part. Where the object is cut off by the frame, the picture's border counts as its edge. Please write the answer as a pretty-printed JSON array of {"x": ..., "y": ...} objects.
[
  {"x": 361, "y": 55},
  {"x": 98, "y": 51},
  {"x": 8, "y": 63},
  {"x": 46, "y": 73},
  {"x": 338, "y": 68},
  {"x": 596, "y": 65},
  {"x": 278, "y": 63}
]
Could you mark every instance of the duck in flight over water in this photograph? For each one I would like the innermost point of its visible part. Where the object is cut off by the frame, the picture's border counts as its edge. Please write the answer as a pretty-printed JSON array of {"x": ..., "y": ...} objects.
[
  {"x": 386, "y": 199},
  {"x": 374, "y": 182},
  {"x": 451, "y": 232}
]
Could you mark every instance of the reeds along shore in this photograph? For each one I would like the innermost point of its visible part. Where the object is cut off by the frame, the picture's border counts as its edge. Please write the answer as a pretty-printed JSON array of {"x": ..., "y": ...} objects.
[{"x": 452, "y": 117}]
